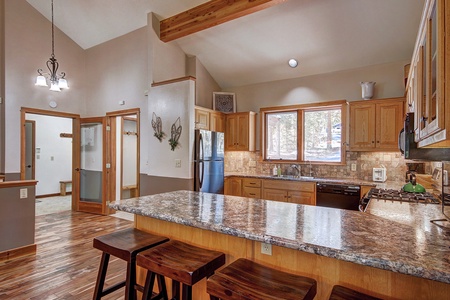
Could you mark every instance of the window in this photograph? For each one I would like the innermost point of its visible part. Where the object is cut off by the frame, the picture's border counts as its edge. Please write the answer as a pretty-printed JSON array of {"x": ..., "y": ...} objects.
[
  {"x": 281, "y": 135},
  {"x": 322, "y": 135},
  {"x": 319, "y": 128}
]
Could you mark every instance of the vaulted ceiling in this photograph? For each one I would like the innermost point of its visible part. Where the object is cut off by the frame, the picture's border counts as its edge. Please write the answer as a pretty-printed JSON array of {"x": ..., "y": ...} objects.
[{"x": 323, "y": 35}]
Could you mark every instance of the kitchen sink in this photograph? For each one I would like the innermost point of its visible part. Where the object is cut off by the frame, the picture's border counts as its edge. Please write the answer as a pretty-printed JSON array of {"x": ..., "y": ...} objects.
[{"x": 295, "y": 177}]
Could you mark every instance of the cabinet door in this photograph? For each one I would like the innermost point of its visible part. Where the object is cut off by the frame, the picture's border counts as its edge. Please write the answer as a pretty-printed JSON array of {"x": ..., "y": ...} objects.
[
  {"x": 217, "y": 122},
  {"x": 274, "y": 194},
  {"x": 389, "y": 123},
  {"x": 230, "y": 132},
  {"x": 201, "y": 119},
  {"x": 242, "y": 132},
  {"x": 362, "y": 126},
  {"x": 233, "y": 186},
  {"x": 301, "y": 197}
]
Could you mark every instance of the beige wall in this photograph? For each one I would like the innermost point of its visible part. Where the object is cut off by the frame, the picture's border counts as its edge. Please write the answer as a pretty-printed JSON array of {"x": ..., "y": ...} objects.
[
  {"x": 205, "y": 87},
  {"x": 27, "y": 48}
]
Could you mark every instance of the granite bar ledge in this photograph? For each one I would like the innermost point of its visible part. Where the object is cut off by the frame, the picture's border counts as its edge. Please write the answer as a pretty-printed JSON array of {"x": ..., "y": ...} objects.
[{"x": 345, "y": 235}]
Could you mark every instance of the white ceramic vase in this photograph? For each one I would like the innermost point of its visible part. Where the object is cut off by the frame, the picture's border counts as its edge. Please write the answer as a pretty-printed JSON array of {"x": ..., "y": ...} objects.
[{"x": 367, "y": 89}]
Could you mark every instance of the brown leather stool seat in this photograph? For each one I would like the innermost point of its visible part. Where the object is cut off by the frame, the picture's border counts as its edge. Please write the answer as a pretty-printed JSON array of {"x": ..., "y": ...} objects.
[
  {"x": 245, "y": 279},
  {"x": 181, "y": 262},
  {"x": 124, "y": 244},
  {"x": 342, "y": 293}
]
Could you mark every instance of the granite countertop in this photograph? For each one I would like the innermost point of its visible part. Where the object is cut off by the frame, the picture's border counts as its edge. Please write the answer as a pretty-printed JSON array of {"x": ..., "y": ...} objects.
[
  {"x": 354, "y": 181},
  {"x": 361, "y": 238}
]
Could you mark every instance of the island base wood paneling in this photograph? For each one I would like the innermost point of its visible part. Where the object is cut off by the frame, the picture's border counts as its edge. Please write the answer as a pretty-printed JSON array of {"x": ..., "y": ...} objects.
[{"x": 327, "y": 271}]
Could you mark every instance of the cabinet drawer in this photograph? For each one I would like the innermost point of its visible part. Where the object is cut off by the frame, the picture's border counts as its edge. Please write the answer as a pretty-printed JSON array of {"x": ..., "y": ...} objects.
[
  {"x": 251, "y": 192},
  {"x": 290, "y": 185},
  {"x": 251, "y": 182}
]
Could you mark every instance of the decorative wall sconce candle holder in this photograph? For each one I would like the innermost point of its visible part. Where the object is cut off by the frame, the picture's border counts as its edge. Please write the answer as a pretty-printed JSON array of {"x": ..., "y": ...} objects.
[
  {"x": 175, "y": 133},
  {"x": 157, "y": 127}
]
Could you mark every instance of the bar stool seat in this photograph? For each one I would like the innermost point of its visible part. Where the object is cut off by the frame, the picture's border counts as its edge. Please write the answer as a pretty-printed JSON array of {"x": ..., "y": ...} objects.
[
  {"x": 342, "y": 293},
  {"x": 124, "y": 244},
  {"x": 181, "y": 262},
  {"x": 245, "y": 279}
]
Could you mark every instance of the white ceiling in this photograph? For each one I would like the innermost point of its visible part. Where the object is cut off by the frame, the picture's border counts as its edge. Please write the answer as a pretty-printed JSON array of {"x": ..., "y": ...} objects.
[{"x": 324, "y": 35}]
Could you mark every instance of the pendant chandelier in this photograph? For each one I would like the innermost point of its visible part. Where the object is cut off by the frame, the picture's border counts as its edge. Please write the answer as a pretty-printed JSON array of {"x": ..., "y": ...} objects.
[{"x": 57, "y": 82}]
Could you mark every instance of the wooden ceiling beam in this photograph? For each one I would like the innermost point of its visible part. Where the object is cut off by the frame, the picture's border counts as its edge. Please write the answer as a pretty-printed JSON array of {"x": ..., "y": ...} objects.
[{"x": 209, "y": 14}]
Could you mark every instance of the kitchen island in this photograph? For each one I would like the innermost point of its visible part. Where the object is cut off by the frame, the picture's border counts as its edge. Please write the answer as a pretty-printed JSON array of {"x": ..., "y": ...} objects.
[{"x": 354, "y": 249}]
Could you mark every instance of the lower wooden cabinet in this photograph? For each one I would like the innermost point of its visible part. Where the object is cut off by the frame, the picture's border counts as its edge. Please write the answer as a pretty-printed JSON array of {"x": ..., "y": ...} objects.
[
  {"x": 233, "y": 186},
  {"x": 290, "y": 191},
  {"x": 300, "y": 192}
]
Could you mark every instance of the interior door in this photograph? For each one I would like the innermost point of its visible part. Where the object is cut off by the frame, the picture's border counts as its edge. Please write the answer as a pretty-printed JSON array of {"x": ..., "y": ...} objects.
[
  {"x": 90, "y": 167},
  {"x": 30, "y": 146}
]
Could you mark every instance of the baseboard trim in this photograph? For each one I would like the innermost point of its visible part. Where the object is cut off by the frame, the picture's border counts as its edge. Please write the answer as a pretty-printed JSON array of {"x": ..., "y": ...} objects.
[
  {"x": 18, "y": 252},
  {"x": 52, "y": 195}
]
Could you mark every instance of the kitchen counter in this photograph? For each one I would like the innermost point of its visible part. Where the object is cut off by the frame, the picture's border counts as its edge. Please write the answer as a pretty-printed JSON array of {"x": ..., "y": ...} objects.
[
  {"x": 351, "y": 181},
  {"x": 350, "y": 236}
]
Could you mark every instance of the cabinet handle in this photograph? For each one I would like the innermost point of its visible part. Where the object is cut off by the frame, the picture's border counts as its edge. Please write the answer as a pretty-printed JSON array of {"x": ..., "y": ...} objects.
[
  {"x": 373, "y": 142},
  {"x": 251, "y": 194},
  {"x": 252, "y": 182},
  {"x": 378, "y": 142}
]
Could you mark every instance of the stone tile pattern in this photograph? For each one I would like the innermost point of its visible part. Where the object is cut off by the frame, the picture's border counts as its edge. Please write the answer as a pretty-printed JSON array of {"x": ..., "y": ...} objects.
[
  {"x": 239, "y": 161},
  {"x": 342, "y": 234}
]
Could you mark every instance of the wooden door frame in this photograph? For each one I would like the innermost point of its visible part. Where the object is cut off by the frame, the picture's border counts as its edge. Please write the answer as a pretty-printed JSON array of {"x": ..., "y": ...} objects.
[
  {"x": 33, "y": 148},
  {"x": 75, "y": 120},
  {"x": 111, "y": 121}
]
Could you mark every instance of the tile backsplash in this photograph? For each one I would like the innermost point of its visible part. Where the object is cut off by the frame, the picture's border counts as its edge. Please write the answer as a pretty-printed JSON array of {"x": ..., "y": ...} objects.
[{"x": 252, "y": 163}]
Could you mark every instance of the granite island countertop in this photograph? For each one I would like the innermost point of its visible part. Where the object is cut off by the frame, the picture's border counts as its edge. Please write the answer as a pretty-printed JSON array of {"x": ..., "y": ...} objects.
[{"x": 346, "y": 235}]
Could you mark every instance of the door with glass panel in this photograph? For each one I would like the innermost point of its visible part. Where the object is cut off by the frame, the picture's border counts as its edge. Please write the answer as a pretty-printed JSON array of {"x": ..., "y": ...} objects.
[{"x": 91, "y": 167}]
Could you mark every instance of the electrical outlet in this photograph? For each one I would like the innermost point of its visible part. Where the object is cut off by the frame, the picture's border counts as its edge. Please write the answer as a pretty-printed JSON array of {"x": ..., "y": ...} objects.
[
  {"x": 353, "y": 167},
  {"x": 177, "y": 163},
  {"x": 23, "y": 193},
  {"x": 266, "y": 249}
]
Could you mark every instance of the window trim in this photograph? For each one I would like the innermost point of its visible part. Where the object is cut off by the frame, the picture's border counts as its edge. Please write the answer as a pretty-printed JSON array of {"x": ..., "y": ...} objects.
[{"x": 301, "y": 108}]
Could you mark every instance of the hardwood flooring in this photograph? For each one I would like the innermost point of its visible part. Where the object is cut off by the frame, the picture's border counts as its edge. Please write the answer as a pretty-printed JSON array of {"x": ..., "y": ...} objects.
[{"x": 65, "y": 265}]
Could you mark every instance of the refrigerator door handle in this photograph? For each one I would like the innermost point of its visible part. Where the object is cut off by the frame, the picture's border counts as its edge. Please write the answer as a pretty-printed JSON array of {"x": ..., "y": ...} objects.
[
  {"x": 202, "y": 173},
  {"x": 201, "y": 152}
]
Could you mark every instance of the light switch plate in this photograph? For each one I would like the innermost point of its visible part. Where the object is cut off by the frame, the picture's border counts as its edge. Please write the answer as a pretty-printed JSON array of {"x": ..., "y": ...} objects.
[
  {"x": 177, "y": 163},
  {"x": 23, "y": 193}
]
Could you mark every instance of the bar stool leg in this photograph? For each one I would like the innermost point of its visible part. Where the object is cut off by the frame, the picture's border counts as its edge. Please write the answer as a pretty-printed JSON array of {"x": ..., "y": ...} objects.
[
  {"x": 213, "y": 297},
  {"x": 187, "y": 292},
  {"x": 162, "y": 287},
  {"x": 148, "y": 287},
  {"x": 175, "y": 290},
  {"x": 101, "y": 276},
  {"x": 130, "y": 291}
]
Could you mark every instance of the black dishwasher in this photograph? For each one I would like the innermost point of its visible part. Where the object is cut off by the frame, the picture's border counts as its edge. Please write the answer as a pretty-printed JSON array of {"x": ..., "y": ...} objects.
[{"x": 342, "y": 196}]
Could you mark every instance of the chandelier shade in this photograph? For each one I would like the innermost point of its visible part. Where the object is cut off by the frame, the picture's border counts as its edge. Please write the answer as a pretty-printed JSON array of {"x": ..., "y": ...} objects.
[{"x": 57, "y": 81}]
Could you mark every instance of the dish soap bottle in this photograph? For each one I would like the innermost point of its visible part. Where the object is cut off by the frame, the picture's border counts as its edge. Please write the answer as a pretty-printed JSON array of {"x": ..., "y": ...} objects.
[
  {"x": 275, "y": 171},
  {"x": 279, "y": 171}
]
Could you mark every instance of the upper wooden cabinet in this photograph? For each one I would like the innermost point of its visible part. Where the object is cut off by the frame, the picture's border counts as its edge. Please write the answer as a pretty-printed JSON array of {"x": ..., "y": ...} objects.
[
  {"x": 209, "y": 119},
  {"x": 375, "y": 124},
  {"x": 240, "y": 132},
  {"x": 426, "y": 89}
]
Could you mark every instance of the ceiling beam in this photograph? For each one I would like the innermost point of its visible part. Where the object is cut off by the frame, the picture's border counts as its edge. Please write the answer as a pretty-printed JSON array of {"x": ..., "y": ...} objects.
[{"x": 209, "y": 14}]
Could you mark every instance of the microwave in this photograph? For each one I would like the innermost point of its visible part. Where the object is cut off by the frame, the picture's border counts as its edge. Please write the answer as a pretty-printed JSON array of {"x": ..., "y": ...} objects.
[{"x": 408, "y": 147}]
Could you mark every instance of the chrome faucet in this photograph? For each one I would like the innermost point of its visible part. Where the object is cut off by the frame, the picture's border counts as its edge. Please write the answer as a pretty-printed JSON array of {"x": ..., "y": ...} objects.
[
  {"x": 310, "y": 169},
  {"x": 297, "y": 167}
]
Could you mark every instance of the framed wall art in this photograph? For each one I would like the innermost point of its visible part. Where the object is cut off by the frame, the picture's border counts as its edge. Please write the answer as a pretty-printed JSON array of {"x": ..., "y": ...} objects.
[{"x": 224, "y": 102}]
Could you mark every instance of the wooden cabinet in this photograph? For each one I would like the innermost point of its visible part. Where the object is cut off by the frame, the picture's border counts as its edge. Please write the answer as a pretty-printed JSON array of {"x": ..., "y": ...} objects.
[
  {"x": 240, "y": 131},
  {"x": 233, "y": 186},
  {"x": 299, "y": 192},
  {"x": 427, "y": 91},
  {"x": 375, "y": 124},
  {"x": 251, "y": 187},
  {"x": 216, "y": 121},
  {"x": 209, "y": 119}
]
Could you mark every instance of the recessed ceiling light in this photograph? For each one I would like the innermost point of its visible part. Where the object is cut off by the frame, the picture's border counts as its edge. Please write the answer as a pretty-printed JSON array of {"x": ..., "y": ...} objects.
[{"x": 293, "y": 63}]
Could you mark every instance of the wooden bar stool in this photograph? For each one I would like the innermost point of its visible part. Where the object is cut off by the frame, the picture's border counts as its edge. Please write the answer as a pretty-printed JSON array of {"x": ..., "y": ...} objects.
[
  {"x": 181, "y": 262},
  {"x": 245, "y": 279},
  {"x": 342, "y": 293},
  {"x": 124, "y": 244}
]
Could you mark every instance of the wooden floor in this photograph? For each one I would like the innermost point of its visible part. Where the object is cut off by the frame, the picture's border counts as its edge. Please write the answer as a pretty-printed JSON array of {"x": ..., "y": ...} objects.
[{"x": 65, "y": 265}]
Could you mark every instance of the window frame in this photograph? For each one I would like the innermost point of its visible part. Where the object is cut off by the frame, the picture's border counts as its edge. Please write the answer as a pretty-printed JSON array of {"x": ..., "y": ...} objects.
[{"x": 300, "y": 109}]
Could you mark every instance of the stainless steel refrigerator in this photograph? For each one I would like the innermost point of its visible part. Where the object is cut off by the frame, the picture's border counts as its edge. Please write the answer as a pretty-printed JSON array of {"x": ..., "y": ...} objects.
[{"x": 209, "y": 161}]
